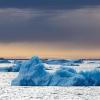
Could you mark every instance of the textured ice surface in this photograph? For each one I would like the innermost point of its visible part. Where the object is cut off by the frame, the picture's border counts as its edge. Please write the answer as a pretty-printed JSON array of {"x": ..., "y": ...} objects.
[
  {"x": 49, "y": 93},
  {"x": 6, "y": 78}
]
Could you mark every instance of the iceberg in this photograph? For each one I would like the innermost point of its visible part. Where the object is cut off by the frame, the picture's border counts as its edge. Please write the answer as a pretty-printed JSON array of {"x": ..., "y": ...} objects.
[
  {"x": 77, "y": 80},
  {"x": 61, "y": 77},
  {"x": 33, "y": 73},
  {"x": 92, "y": 77}
]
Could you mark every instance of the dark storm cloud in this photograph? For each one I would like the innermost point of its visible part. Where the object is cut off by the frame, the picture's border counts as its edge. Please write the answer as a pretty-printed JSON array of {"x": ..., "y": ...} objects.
[
  {"x": 48, "y": 4},
  {"x": 78, "y": 26},
  {"x": 57, "y": 21}
]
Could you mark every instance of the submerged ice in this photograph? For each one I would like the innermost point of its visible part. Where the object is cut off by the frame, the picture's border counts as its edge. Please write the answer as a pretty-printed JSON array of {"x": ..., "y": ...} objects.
[{"x": 33, "y": 73}]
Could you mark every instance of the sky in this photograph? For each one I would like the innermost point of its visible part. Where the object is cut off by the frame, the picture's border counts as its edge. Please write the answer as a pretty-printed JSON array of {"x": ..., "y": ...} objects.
[{"x": 50, "y": 28}]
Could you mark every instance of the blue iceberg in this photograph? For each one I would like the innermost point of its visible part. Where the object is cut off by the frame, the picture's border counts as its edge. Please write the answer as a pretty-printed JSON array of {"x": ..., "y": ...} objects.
[
  {"x": 61, "y": 77},
  {"x": 92, "y": 77},
  {"x": 33, "y": 73}
]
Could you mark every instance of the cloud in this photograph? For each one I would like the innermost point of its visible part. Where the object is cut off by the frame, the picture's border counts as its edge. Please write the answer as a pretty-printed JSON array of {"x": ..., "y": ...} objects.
[
  {"x": 67, "y": 21},
  {"x": 48, "y": 4},
  {"x": 80, "y": 26}
]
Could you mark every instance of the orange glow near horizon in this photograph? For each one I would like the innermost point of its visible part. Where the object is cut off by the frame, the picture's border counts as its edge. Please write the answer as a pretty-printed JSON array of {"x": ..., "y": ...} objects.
[{"x": 27, "y": 50}]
